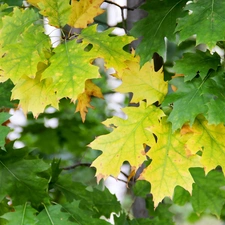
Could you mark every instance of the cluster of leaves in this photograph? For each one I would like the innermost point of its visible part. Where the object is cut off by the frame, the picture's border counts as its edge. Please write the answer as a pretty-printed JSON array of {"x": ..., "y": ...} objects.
[{"x": 177, "y": 123}]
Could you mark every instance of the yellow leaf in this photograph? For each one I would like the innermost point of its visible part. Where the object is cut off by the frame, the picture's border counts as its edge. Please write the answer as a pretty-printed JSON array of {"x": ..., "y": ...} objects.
[
  {"x": 34, "y": 2},
  {"x": 126, "y": 141},
  {"x": 170, "y": 163},
  {"x": 84, "y": 99},
  {"x": 83, "y": 12},
  {"x": 34, "y": 95},
  {"x": 144, "y": 83},
  {"x": 209, "y": 139}
]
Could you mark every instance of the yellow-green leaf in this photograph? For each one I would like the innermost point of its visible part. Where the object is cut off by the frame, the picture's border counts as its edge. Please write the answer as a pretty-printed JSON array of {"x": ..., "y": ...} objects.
[
  {"x": 170, "y": 162},
  {"x": 70, "y": 67},
  {"x": 209, "y": 139},
  {"x": 57, "y": 11},
  {"x": 83, "y": 12},
  {"x": 110, "y": 48},
  {"x": 24, "y": 58},
  {"x": 126, "y": 142},
  {"x": 144, "y": 83},
  {"x": 34, "y": 95}
]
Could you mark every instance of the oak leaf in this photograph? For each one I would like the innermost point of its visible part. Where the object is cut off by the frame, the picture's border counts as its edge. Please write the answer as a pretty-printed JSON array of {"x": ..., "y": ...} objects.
[
  {"x": 83, "y": 12},
  {"x": 57, "y": 11},
  {"x": 170, "y": 162},
  {"x": 144, "y": 83},
  {"x": 210, "y": 140},
  {"x": 70, "y": 67},
  {"x": 110, "y": 48},
  {"x": 126, "y": 141},
  {"x": 24, "y": 58},
  {"x": 84, "y": 98},
  {"x": 205, "y": 16},
  {"x": 34, "y": 94}
]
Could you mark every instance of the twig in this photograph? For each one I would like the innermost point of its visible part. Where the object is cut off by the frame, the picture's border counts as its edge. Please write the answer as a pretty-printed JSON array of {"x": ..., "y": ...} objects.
[
  {"x": 76, "y": 165},
  {"x": 118, "y": 179},
  {"x": 122, "y": 12}
]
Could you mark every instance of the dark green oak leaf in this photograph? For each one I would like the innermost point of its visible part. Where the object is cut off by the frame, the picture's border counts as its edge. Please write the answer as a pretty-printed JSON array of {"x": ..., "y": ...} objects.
[
  {"x": 22, "y": 214},
  {"x": 215, "y": 87},
  {"x": 196, "y": 63},
  {"x": 208, "y": 192},
  {"x": 80, "y": 215},
  {"x": 4, "y": 130},
  {"x": 206, "y": 20},
  {"x": 188, "y": 101},
  {"x": 160, "y": 23},
  {"x": 19, "y": 177},
  {"x": 95, "y": 202},
  {"x": 53, "y": 214}
]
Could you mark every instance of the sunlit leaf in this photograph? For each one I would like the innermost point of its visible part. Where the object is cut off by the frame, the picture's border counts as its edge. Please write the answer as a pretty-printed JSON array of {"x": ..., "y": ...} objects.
[
  {"x": 208, "y": 139},
  {"x": 70, "y": 67},
  {"x": 83, "y": 12},
  {"x": 144, "y": 83},
  {"x": 126, "y": 141},
  {"x": 57, "y": 11},
  {"x": 170, "y": 162},
  {"x": 84, "y": 99},
  {"x": 108, "y": 47}
]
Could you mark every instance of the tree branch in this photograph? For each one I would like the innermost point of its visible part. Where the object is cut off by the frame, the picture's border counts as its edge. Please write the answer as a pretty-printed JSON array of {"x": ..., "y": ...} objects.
[{"x": 76, "y": 165}]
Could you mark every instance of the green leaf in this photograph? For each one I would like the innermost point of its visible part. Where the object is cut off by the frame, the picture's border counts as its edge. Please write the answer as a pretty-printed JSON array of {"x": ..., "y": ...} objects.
[
  {"x": 216, "y": 107},
  {"x": 57, "y": 11},
  {"x": 15, "y": 25},
  {"x": 97, "y": 202},
  {"x": 141, "y": 188},
  {"x": 162, "y": 16},
  {"x": 70, "y": 68},
  {"x": 205, "y": 21},
  {"x": 53, "y": 215},
  {"x": 13, "y": 2},
  {"x": 22, "y": 59},
  {"x": 188, "y": 101},
  {"x": 4, "y": 130},
  {"x": 5, "y": 94},
  {"x": 181, "y": 196},
  {"x": 22, "y": 214},
  {"x": 196, "y": 63},
  {"x": 19, "y": 177},
  {"x": 208, "y": 194},
  {"x": 4, "y": 10},
  {"x": 81, "y": 216},
  {"x": 110, "y": 48},
  {"x": 143, "y": 221}
]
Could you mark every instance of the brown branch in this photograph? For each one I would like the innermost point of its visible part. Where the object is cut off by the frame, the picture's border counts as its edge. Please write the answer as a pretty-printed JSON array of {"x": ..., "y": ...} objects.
[{"x": 75, "y": 166}]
